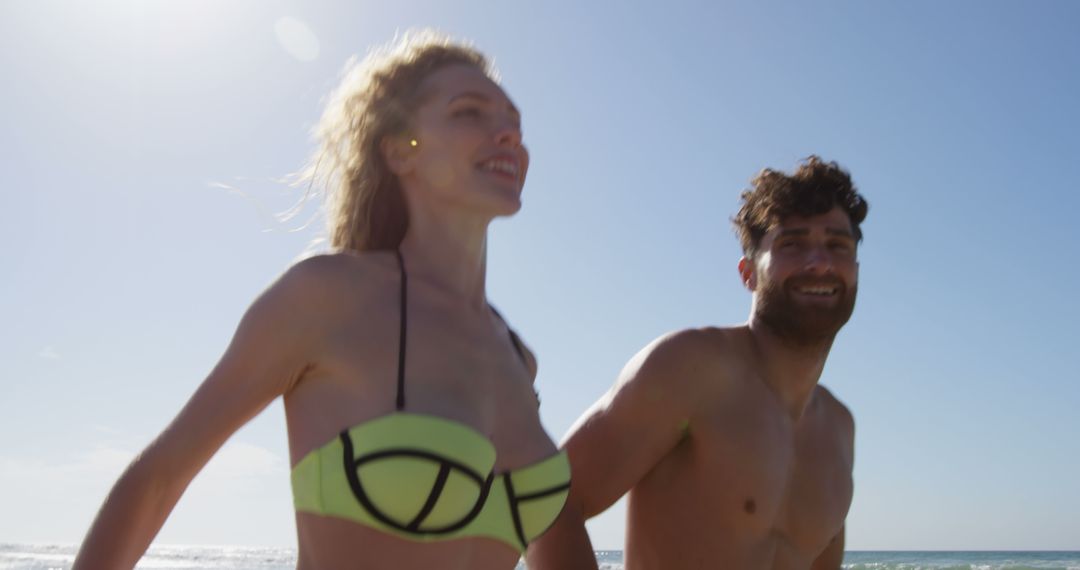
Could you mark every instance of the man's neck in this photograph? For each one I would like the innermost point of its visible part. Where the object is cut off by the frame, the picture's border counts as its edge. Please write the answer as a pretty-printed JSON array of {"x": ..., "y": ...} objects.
[{"x": 791, "y": 370}]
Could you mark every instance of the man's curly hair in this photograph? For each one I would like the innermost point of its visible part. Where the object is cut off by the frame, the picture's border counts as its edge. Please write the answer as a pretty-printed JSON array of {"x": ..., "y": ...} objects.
[{"x": 814, "y": 188}]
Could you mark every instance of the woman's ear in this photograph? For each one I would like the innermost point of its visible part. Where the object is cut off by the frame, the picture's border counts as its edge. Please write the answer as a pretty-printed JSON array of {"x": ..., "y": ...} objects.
[{"x": 398, "y": 151}]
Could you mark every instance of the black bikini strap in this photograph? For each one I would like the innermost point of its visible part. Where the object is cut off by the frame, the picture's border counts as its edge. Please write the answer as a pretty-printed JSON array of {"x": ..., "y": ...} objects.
[
  {"x": 514, "y": 339},
  {"x": 401, "y": 338},
  {"x": 518, "y": 347}
]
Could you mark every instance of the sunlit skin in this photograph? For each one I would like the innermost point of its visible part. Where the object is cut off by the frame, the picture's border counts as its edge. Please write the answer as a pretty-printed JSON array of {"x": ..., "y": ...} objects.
[
  {"x": 804, "y": 280},
  {"x": 325, "y": 338},
  {"x": 460, "y": 362},
  {"x": 450, "y": 140},
  {"x": 732, "y": 454}
]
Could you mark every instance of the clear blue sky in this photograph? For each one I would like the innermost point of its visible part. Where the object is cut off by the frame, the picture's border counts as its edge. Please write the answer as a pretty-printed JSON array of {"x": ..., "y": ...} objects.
[{"x": 126, "y": 265}]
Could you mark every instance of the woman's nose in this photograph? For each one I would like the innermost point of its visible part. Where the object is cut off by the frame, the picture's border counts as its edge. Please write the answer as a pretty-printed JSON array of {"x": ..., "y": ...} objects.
[{"x": 509, "y": 133}]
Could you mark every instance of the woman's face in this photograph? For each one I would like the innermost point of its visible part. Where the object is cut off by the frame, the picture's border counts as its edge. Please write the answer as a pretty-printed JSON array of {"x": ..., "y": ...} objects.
[{"x": 464, "y": 147}]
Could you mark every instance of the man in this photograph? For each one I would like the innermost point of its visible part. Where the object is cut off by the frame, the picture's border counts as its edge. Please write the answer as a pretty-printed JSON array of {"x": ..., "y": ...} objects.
[{"x": 733, "y": 455}]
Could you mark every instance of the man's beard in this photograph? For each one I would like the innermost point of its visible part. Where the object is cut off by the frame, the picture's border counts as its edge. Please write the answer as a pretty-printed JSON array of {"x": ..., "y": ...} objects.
[{"x": 804, "y": 325}]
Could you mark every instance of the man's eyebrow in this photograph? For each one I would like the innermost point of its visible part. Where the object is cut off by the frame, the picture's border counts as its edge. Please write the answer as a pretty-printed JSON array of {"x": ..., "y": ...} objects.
[
  {"x": 483, "y": 98},
  {"x": 839, "y": 232},
  {"x": 794, "y": 232}
]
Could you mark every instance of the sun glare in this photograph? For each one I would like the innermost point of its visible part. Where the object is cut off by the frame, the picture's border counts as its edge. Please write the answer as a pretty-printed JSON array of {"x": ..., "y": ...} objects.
[{"x": 296, "y": 38}]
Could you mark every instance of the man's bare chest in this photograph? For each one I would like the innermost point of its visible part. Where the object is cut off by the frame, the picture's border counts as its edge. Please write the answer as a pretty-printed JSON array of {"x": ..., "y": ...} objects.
[{"x": 774, "y": 480}]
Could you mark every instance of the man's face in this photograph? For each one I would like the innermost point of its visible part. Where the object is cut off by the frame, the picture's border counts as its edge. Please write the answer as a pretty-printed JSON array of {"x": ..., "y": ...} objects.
[{"x": 805, "y": 277}]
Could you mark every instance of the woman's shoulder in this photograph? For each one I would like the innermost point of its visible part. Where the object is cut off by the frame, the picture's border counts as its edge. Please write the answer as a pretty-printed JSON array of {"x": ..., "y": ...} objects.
[
  {"x": 343, "y": 268},
  {"x": 329, "y": 278}
]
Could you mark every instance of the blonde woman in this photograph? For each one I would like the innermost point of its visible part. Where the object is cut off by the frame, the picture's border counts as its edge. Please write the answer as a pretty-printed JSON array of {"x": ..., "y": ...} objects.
[{"x": 413, "y": 429}]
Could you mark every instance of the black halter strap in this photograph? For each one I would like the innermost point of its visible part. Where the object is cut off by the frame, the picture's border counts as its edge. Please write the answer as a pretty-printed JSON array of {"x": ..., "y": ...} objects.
[
  {"x": 401, "y": 338},
  {"x": 518, "y": 346},
  {"x": 514, "y": 339}
]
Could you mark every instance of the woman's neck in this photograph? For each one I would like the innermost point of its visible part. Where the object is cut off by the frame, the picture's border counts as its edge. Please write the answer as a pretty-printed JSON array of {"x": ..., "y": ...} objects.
[{"x": 448, "y": 253}]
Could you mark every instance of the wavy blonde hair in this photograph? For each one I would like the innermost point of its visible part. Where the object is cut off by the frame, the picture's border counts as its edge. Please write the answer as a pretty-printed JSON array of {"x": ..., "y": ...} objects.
[{"x": 376, "y": 98}]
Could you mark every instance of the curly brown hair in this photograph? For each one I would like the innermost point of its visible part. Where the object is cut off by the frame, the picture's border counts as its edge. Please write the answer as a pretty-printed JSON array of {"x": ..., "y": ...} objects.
[{"x": 814, "y": 188}]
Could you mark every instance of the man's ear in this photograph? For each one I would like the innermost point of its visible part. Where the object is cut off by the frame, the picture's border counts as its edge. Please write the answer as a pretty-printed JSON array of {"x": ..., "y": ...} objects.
[
  {"x": 398, "y": 152},
  {"x": 747, "y": 273}
]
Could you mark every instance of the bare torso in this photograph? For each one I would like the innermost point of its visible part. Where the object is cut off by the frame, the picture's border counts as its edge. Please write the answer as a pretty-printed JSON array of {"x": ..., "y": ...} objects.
[
  {"x": 747, "y": 487},
  {"x": 721, "y": 470},
  {"x": 460, "y": 365}
]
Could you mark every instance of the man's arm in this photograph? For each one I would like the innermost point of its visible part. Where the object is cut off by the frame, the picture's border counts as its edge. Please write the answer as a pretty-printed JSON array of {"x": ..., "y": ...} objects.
[
  {"x": 564, "y": 546},
  {"x": 622, "y": 436},
  {"x": 833, "y": 555},
  {"x": 629, "y": 430}
]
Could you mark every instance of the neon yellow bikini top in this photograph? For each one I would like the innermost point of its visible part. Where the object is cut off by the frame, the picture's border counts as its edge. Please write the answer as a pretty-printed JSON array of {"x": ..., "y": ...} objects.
[{"x": 427, "y": 478}]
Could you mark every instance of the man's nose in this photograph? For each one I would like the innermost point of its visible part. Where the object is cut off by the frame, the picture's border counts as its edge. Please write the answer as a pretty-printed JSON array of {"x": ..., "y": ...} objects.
[{"x": 818, "y": 261}]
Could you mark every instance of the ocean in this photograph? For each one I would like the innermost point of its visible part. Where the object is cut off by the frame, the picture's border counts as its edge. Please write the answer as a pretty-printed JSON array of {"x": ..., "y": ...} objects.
[{"x": 56, "y": 556}]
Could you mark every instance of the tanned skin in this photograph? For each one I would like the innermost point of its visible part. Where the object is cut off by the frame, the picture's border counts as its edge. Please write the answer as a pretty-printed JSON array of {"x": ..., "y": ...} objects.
[
  {"x": 732, "y": 454},
  {"x": 324, "y": 338}
]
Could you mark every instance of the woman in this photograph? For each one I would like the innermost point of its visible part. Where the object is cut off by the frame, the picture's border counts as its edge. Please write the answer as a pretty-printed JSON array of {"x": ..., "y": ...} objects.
[{"x": 413, "y": 427}]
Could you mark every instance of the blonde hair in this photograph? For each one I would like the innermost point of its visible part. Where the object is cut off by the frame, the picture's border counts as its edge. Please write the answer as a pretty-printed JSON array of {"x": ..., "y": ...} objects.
[{"x": 375, "y": 99}]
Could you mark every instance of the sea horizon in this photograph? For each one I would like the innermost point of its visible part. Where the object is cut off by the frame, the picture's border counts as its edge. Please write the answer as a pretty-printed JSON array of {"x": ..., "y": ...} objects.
[{"x": 59, "y": 556}]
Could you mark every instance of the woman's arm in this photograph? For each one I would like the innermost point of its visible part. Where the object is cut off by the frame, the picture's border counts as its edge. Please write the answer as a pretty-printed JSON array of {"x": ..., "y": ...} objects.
[{"x": 269, "y": 353}]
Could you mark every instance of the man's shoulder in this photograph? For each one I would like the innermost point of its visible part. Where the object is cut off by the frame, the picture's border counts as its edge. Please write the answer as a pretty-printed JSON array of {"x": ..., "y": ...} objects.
[
  {"x": 698, "y": 343},
  {"x": 702, "y": 347},
  {"x": 688, "y": 356},
  {"x": 835, "y": 412}
]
